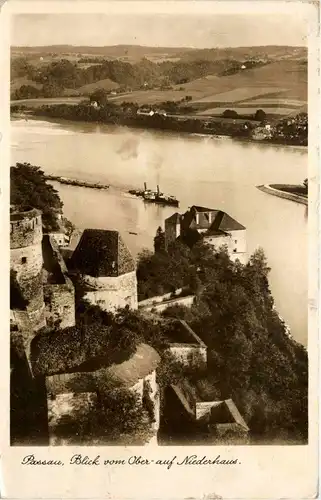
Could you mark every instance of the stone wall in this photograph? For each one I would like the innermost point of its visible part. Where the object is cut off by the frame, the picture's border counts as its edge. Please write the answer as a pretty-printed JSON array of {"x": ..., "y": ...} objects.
[
  {"x": 159, "y": 298},
  {"x": 62, "y": 405},
  {"x": 161, "y": 306},
  {"x": 27, "y": 263},
  {"x": 61, "y": 239},
  {"x": 25, "y": 229},
  {"x": 60, "y": 303},
  {"x": 188, "y": 354},
  {"x": 111, "y": 293}
]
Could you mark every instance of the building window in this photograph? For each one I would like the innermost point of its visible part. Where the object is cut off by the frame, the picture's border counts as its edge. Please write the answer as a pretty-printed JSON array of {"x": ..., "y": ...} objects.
[
  {"x": 23, "y": 260},
  {"x": 101, "y": 302},
  {"x": 235, "y": 250},
  {"x": 235, "y": 241}
]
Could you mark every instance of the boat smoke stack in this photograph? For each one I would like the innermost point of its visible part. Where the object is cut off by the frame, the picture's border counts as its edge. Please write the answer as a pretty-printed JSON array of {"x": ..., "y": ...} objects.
[
  {"x": 157, "y": 189},
  {"x": 145, "y": 186}
]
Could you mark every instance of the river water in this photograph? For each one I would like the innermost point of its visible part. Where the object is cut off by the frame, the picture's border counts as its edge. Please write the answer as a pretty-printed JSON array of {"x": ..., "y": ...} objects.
[{"x": 212, "y": 172}]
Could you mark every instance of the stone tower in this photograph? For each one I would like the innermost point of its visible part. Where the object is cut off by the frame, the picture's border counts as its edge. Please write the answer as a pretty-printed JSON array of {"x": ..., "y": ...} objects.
[{"x": 26, "y": 262}]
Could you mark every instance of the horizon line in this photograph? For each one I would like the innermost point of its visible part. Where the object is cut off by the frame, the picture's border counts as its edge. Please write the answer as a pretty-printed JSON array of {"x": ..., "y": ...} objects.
[{"x": 158, "y": 46}]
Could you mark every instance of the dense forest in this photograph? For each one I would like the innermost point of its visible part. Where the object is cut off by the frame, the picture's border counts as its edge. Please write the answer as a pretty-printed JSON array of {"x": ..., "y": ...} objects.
[
  {"x": 51, "y": 80},
  {"x": 251, "y": 357}
]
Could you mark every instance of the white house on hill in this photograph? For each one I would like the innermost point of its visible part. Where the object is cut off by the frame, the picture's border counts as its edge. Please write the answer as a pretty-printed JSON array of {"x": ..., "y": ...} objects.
[{"x": 215, "y": 227}]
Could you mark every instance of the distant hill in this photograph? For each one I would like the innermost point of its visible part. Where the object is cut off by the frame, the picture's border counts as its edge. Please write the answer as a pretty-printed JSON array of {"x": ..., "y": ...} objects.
[
  {"x": 271, "y": 52},
  {"x": 200, "y": 74},
  {"x": 116, "y": 51},
  {"x": 137, "y": 52}
]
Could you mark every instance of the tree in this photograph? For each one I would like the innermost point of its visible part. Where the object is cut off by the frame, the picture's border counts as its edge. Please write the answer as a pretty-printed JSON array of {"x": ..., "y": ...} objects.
[
  {"x": 250, "y": 354},
  {"x": 260, "y": 115},
  {"x": 230, "y": 113},
  {"x": 26, "y": 92},
  {"x": 29, "y": 187},
  {"x": 100, "y": 96},
  {"x": 159, "y": 240},
  {"x": 115, "y": 416}
]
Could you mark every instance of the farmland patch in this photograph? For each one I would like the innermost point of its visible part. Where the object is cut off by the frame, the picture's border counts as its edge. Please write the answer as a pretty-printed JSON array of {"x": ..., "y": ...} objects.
[
  {"x": 247, "y": 111},
  {"x": 276, "y": 101},
  {"x": 239, "y": 94}
]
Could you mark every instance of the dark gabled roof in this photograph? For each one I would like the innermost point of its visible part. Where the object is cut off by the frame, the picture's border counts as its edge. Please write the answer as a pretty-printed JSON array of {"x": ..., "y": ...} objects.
[
  {"x": 227, "y": 223},
  {"x": 218, "y": 223},
  {"x": 102, "y": 253},
  {"x": 236, "y": 414},
  {"x": 202, "y": 209},
  {"x": 176, "y": 217}
]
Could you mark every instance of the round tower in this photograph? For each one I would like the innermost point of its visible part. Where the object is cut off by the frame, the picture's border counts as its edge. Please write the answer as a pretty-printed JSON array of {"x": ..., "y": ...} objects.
[{"x": 26, "y": 260}]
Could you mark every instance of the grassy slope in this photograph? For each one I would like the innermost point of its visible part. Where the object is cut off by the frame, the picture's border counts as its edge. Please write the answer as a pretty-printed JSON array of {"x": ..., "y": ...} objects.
[
  {"x": 286, "y": 80},
  {"x": 106, "y": 84},
  {"x": 18, "y": 82}
]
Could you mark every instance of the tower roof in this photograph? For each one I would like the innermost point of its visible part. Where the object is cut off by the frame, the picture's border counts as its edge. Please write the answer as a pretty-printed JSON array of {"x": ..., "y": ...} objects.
[{"x": 102, "y": 253}]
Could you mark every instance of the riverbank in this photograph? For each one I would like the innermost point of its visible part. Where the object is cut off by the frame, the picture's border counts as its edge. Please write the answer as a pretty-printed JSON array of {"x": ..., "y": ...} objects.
[
  {"x": 274, "y": 191},
  {"x": 76, "y": 182},
  {"x": 240, "y": 130}
]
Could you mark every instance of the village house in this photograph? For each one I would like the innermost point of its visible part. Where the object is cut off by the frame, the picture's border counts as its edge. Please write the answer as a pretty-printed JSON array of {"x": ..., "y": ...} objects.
[
  {"x": 213, "y": 226},
  {"x": 145, "y": 112}
]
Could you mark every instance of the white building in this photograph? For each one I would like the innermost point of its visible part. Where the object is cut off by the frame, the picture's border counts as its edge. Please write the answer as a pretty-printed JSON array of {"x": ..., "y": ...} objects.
[{"x": 215, "y": 227}]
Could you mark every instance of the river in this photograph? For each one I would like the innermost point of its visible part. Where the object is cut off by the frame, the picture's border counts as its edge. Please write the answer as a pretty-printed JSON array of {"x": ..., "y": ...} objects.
[{"x": 213, "y": 172}]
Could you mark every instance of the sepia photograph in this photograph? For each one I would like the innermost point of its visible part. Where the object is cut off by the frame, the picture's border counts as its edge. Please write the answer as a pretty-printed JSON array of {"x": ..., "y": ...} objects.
[{"x": 159, "y": 229}]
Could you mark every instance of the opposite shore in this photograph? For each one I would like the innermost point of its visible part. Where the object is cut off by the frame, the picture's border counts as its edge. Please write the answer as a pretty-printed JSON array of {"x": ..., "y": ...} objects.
[{"x": 176, "y": 123}]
